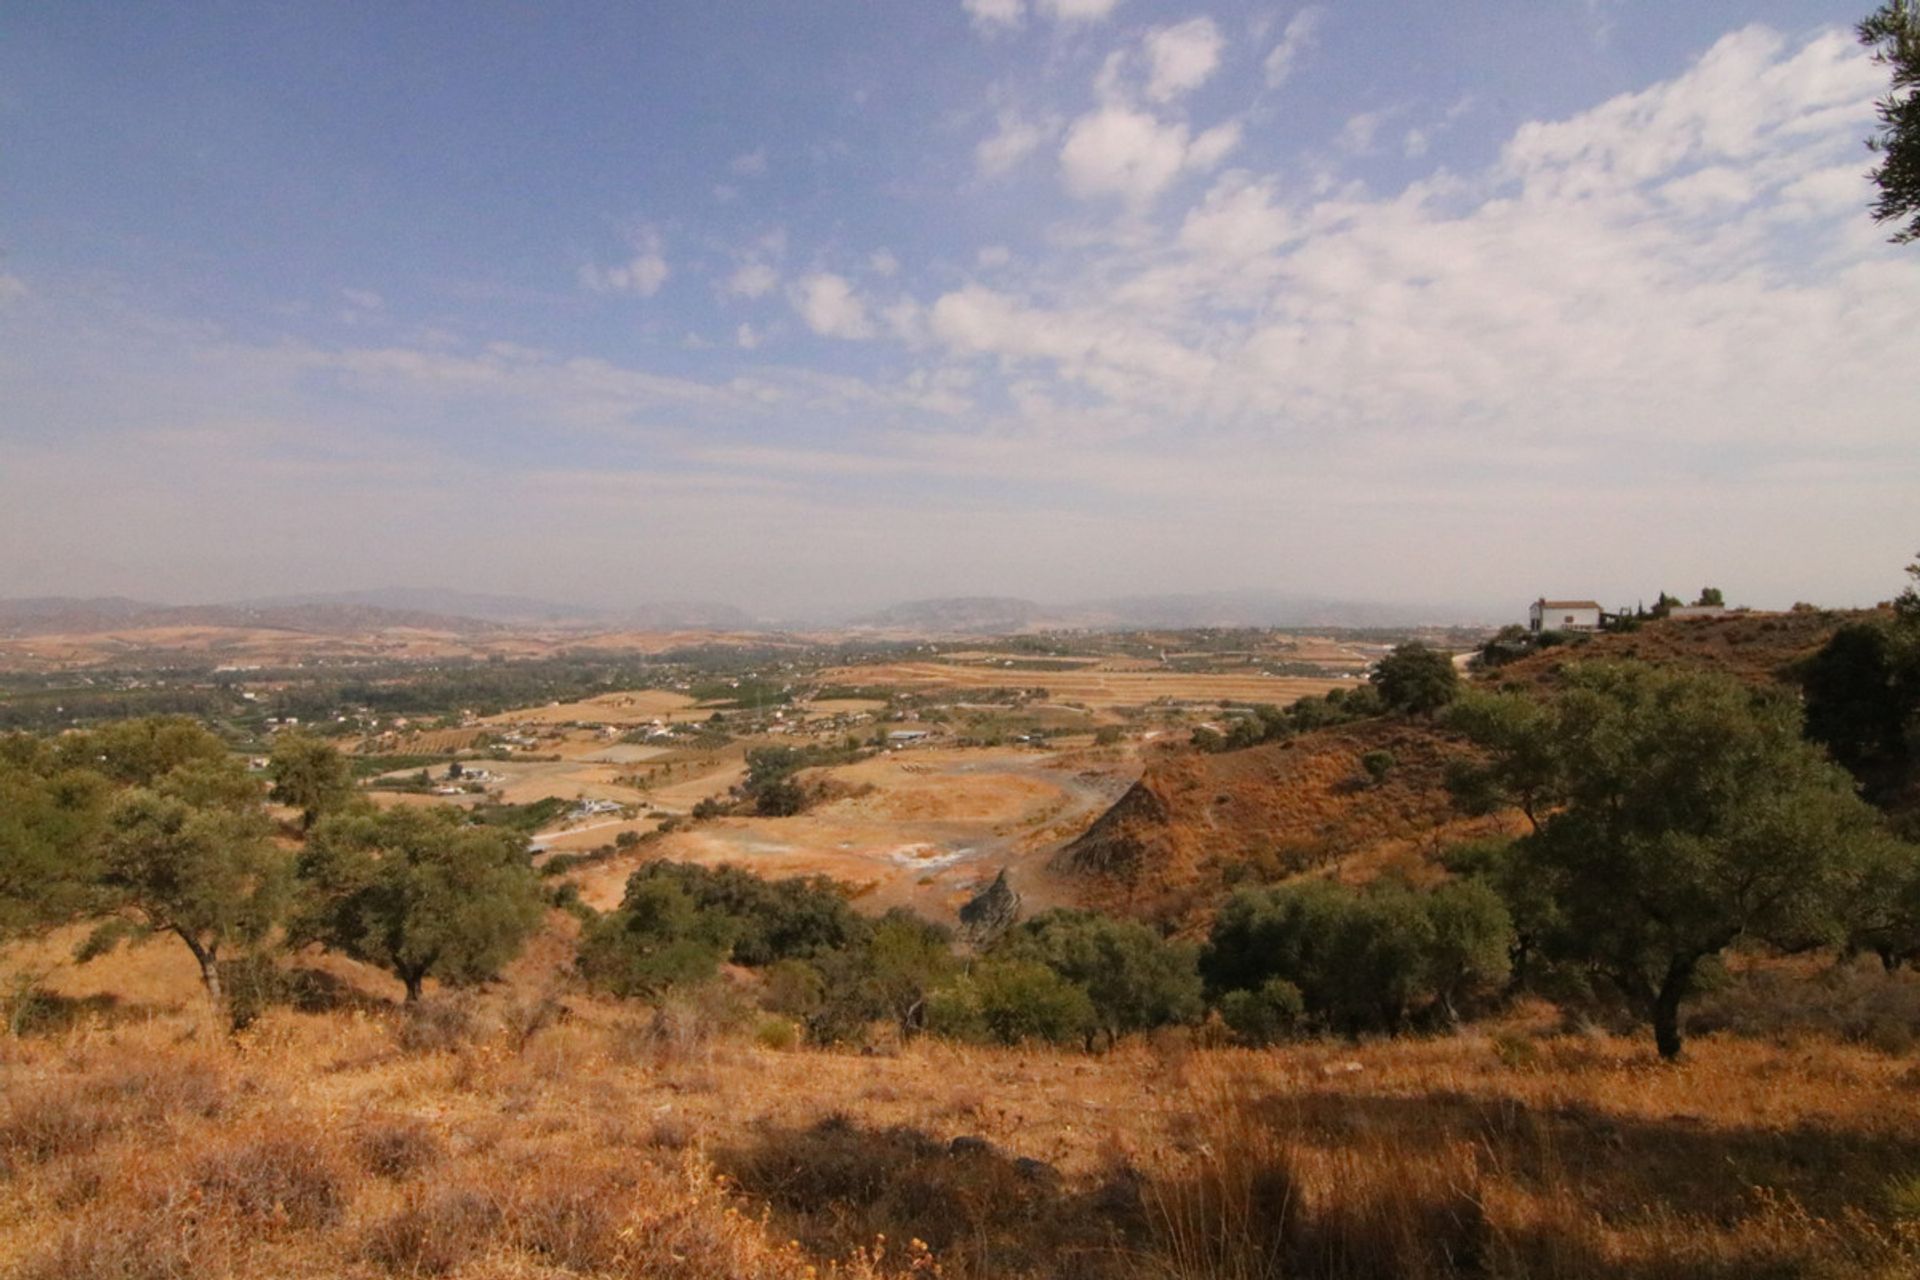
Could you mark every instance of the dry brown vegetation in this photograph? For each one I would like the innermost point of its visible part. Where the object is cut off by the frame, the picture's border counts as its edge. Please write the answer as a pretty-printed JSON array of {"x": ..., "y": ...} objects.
[
  {"x": 1756, "y": 647},
  {"x": 519, "y": 1137},
  {"x": 1196, "y": 823}
]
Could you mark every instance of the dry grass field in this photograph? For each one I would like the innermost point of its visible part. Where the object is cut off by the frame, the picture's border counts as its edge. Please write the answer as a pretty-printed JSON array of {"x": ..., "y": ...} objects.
[
  {"x": 627, "y": 708},
  {"x": 534, "y": 1131},
  {"x": 1100, "y": 689}
]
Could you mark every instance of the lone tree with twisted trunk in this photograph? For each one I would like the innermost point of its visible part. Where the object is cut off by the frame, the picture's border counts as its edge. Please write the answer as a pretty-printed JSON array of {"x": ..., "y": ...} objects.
[
  {"x": 1678, "y": 813},
  {"x": 419, "y": 892},
  {"x": 192, "y": 856},
  {"x": 1893, "y": 33}
]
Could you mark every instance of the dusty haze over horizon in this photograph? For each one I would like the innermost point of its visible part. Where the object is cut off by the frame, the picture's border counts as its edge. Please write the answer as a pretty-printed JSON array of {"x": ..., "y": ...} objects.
[{"x": 810, "y": 313}]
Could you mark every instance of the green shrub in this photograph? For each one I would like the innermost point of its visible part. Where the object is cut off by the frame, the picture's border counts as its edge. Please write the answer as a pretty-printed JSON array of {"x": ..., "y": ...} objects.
[
  {"x": 778, "y": 1034},
  {"x": 1012, "y": 1001},
  {"x": 1135, "y": 979},
  {"x": 1367, "y": 959},
  {"x": 1272, "y": 1011}
]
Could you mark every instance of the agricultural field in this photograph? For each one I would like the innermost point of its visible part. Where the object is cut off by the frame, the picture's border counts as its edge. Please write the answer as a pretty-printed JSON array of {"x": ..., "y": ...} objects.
[{"x": 1104, "y": 690}]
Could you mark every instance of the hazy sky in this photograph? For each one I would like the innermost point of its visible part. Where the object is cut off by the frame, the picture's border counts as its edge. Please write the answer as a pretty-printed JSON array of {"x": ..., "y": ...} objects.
[{"x": 830, "y": 304}]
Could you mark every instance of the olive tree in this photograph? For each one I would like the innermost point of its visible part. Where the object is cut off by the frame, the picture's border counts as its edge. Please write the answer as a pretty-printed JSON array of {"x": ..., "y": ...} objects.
[
  {"x": 420, "y": 892},
  {"x": 1893, "y": 33},
  {"x": 1415, "y": 679},
  {"x": 50, "y": 822},
  {"x": 1677, "y": 813},
  {"x": 192, "y": 856},
  {"x": 310, "y": 775}
]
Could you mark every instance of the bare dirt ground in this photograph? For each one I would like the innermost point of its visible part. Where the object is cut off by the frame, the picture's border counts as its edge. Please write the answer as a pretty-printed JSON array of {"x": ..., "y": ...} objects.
[{"x": 924, "y": 829}]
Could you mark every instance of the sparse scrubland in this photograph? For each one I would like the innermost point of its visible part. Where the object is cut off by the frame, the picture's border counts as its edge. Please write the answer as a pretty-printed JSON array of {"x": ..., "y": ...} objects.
[{"x": 1364, "y": 990}]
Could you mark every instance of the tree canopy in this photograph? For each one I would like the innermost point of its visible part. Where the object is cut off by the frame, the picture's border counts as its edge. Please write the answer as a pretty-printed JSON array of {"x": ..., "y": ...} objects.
[
  {"x": 192, "y": 855},
  {"x": 1893, "y": 33},
  {"x": 309, "y": 774},
  {"x": 1359, "y": 959},
  {"x": 419, "y": 892},
  {"x": 51, "y": 817},
  {"x": 1134, "y": 978},
  {"x": 1677, "y": 812},
  {"x": 1416, "y": 679}
]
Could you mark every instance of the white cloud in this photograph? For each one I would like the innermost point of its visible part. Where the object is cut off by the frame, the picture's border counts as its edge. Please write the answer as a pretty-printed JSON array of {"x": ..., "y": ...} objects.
[
  {"x": 990, "y": 15},
  {"x": 1213, "y": 146},
  {"x": 1070, "y": 11},
  {"x": 745, "y": 337},
  {"x": 11, "y": 287},
  {"x": 365, "y": 299},
  {"x": 1119, "y": 151},
  {"x": 1295, "y": 41},
  {"x": 993, "y": 255},
  {"x": 752, "y": 280},
  {"x": 831, "y": 308},
  {"x": 1180, "y": 58},
  {"x": 642, "y": 274},
  {"x": 1239, "y": 219},
  {"x": 752, "y": 164},
  {"x": 882, "y": 262},
  {"x": 1013, "y": 141},
  {"x": 1687, "y": 269},
  {"x": 1358, "y": 134}
]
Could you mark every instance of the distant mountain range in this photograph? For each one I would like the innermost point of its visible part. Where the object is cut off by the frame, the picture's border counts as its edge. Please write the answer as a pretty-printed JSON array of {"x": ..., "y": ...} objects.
[{"x": 460, "y": 612}]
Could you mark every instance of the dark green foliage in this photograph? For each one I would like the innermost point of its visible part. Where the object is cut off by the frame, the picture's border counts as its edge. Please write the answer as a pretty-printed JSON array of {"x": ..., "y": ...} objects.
[
  {"x": 1011, "y": 1001},
  {"x": 1378, "y": 764},
  {"x": 1275, "y": 724},
  {"x": 797, "y": 917},
  {"x": 659, "y": 938},
  {"x": 772, "y": 790},
  {"x": 1265, "y": 1014},
  {"x": 1863, "y": 697},
  {"x": 1711, "y": 595},
  {"x": 1893, "y": 33},
  {"x": 520, "y": 819},
  {"x": 1676, "y": 813},
  {"x": 907, "y": 958},
  {"x": 1134, "y": 979},
  {"x": 191, "y": 855},
  {"x": 1415, "y": 679},
  {"x": 138, "y": 753},
  {"x": 51, "y": 817},
  {"x": 1367, "y": 959},
  {"x": 1506, "y": 645},
  {"x": 310, "y": 775},
  {"x": 420, "y": 892}
]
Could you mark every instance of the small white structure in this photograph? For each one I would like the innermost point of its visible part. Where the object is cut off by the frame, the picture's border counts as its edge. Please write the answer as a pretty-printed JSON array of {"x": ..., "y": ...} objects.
[
  {"x": 1563, "y": 615},
  {"x": 908, "y": 737}
]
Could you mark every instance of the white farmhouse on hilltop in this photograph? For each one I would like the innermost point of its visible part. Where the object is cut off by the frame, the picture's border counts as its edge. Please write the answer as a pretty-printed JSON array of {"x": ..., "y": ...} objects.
[{"x": 1563, "y": 615}]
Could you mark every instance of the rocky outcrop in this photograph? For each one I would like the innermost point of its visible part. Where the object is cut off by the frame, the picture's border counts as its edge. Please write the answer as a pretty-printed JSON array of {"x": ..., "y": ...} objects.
[{"x": 991, "y": 912}]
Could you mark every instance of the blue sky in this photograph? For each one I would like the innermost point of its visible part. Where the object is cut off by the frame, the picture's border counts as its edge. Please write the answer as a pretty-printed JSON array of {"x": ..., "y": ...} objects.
[{"x": 811, "y": 306}]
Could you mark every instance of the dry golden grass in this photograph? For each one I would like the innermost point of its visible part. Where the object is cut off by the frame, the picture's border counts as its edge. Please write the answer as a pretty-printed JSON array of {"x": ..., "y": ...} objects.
[
  {"x": 580, "y": 1137},
  {"x": 1100, "y": 688}
]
